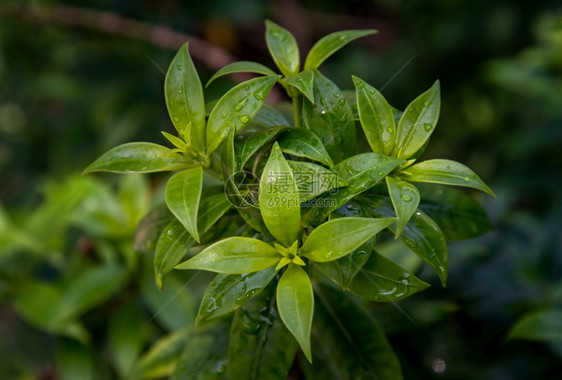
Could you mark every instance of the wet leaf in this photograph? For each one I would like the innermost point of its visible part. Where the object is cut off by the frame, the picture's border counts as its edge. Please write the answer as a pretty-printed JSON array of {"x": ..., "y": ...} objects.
[
  {"x": 301, "y": 142},
  {"x": 313, "y": 180},
  {"x": 303, "y": 82},
  {"x": 241, "y": 67},
  {"x": 183, "y": 192},
  {"x": 283, "y": 48},
  {"x": 405, "y": 199}
]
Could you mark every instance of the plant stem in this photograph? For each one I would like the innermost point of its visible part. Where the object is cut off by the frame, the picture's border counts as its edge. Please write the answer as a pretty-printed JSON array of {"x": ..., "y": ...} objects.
[{"x": 297, "y": 110}]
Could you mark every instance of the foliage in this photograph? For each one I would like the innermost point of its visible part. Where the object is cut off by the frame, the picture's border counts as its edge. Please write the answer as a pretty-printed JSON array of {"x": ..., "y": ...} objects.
[{"x": 355, "y": 197}]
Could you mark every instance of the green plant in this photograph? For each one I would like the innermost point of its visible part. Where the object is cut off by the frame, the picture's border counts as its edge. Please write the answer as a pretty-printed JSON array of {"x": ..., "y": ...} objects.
[{"x": 313, "y": 214}]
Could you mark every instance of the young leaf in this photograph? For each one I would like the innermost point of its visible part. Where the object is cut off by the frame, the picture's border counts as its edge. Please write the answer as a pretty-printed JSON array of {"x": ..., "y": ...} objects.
[
  {"x": 234, "y": 255},
  {"x": 405, "y": 199},
  {"x": 348, "y": 343},
  {"x": 247, "y": 147},
  {"x": 295, "y": 301},
  {"x": 139, "y": 157},
  {"x": 382, "y": 280},
  {"x": 542, "y": 326},
  {"x": 176, "y": 141},
  {"x": 417, "y": 123},
  {"x": 279, "y": 198},
  {"x": 376, "y": 117},
  {"x": 313, "y": 180},
  {"x": 283, "y": 48},
  {"x": 205, "y": 356},
  {"x": 184, "y": 99},
  {"x": 183, "y": 192},
  {"x": 344, "y": 269},
  {"x": 331, "y": 43},
  {"x": 227, "y": 292},
  {"x": 339, "y": 237},
  {"x": 330, "y": 117},
  {"x": 445, "y": 172},
  {"x": 241, "y": 67},
  {"x": 303, "y": 82},
  {"x": 260, "y": 345},
  {"x": 236, "y": 108},
  {"x": 458, "y": 215},
  {"x": 302, "y": 142},
  {"x": 422, "y": 235}
]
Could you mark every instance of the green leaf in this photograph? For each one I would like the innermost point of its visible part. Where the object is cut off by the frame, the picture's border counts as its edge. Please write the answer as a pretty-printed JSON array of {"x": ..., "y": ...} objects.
[
  {"x": 339, "y": 237},
  {"x": 348, "y": 343},
  {"x": 246, "y": 146},
  {"x": 126, "y": 337},
  {"x": 268, "y": 117},
  {"x": 445, "y": 172},
  {"x": 361, "y": 172},
  {"x": 227, "y": 292},
  {"x": 331, "y": 43},
  {"x": 183, "y": 192},
  {"x": 313, "y": 180},
  {"x": 37, "y": 302},
  {"x": 376, "y": 117},
  {"x": 331, "y": 118},
  {"x": 295, "y": 301},
  {"x": 344, "y": 269},
  {"x": 150, "y": 227},
  {"x": 162, "y": 357},
  {"x": 421, "y": 235},
  {"x": 382, "y": 280},
  {"x": 184, "y": 99},
  {"x": 90, "y": 289},
  {"x": 302, "y": 142},
  {"x": 405, "y": 199},
  {"x": 236, "y": 108},
  {"x": 541, "y": 325},
  {"x": 417, "y": 123},
  {"x": 303, "y": 82},
  {"x": 228, "y": 156},
  {"x": 176, "y": 141},
  {"x": 283, "y": 48},
  {"x": 74, "y": 360},
  {"x": 260, "y": 345},
  {"x": 234, "y": 255},
  {"x": 241, "y": 67},
  {"x": 139, "y": 157},
  {"x": 457, "y": 214},
  {"x": 211, "y": 209},
  {"x": 205, "y": 356},
  {"x": 279, "y": 198},
  {"x": 172, "y": 245}
]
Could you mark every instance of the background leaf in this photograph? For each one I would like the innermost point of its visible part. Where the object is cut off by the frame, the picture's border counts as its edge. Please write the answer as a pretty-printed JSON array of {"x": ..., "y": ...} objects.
[{"x": 541, "y": 325}]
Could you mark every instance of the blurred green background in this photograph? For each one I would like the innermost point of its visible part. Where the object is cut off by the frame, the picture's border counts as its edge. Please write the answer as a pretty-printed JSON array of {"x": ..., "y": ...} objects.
[{"x": 79, "y": 77}]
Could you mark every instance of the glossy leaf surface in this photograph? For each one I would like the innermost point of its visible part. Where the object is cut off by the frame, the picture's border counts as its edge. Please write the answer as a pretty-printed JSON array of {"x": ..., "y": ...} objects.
[
  {"x": 331, "y": 43},
  {"x": 184, "y": 99},
  {"x": 330, "y": 117},
  {"x": 405, "y": 199},
  {"x": 227, "y": 292},
  {"x": 241, "y": 67},
  {"x": 249, "y": 144},
  {"x": 417, "y": 123},
  {"x": 295, "y": 302},
  {"x": 283, "y": 48},
  {"x": 234, "y": 255},
  {"x": 444, "y": 172},
  {"x": 305, "y": 143},
  {"x": 376, "y": 117},
  {"x": 313, "y": 180},
  {"x": 183, "y": 193},
  {"x": 260, "y": 345},
  {"x": 343, "y": 270},
  {"x": 139, "y": 157},
  {"x": 339, "y": 237},
  {"x": 236, "y": 108},
  {"x": 382, "y": 280},
  {"x": 279, "y": 198}
]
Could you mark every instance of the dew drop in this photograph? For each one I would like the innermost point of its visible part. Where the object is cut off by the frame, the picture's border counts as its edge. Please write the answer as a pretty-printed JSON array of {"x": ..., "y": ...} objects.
[
  {"x": 244, "y": 118},
  {"x": 466, "y": 179},
  {"x": 179, "y": 67},
  {"x": 390, "y": 130},
  {"x": 241, "y": 104},
  {"x": 426, "y": 104},
  {"x": 428, "y": 127},
  {"x": 176, "y": 118},
  {"x": 406, "y": 198},
  {"x": 341, "y": 102},
  {"x": 372, "y": 91},
  {"x": 380, "y": 173},
  {"x": 343, "y": 118},
  {"x": 323, "y": 112},
  {"x": 335, "y": 109},
  {"x": 247, "y": 87}
]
